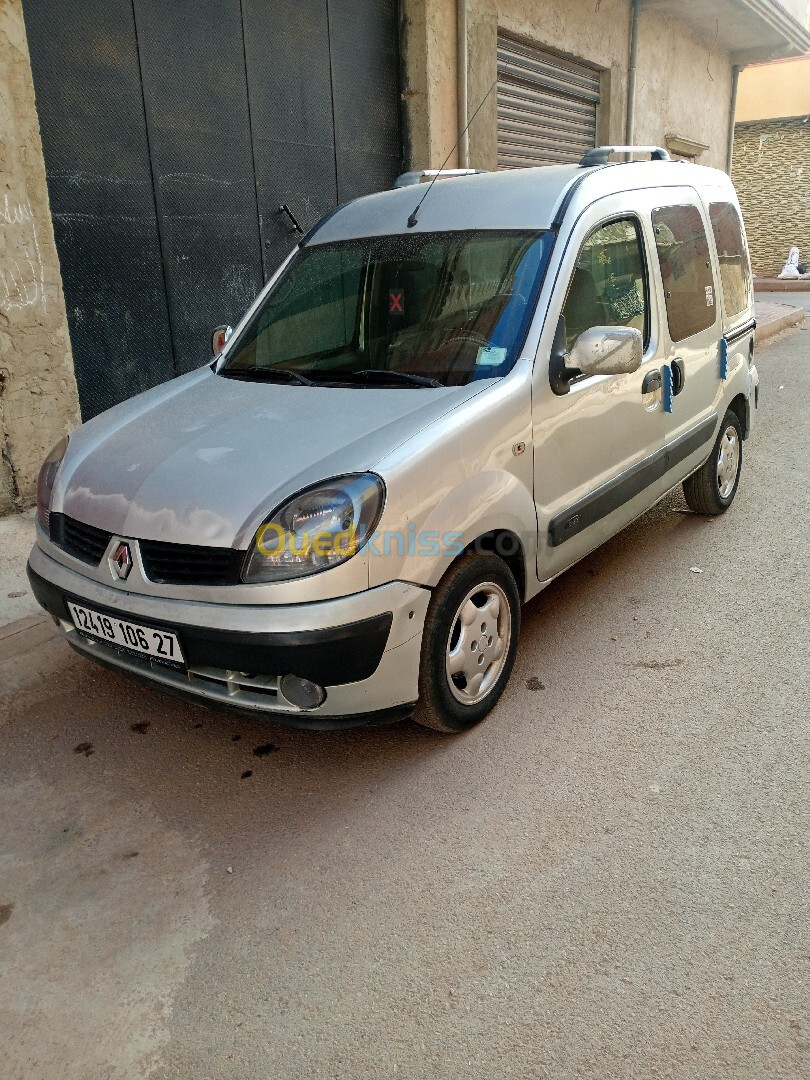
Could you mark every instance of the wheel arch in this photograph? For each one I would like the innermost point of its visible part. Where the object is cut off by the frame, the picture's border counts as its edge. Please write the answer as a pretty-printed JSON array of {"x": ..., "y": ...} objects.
[
  {"x": 741, "y": 408},
  {"x": 508, "y": 547}
]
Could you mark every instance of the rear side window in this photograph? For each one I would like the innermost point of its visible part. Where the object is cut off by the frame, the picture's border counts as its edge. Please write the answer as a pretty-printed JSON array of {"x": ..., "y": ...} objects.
[
  {"x": 735, "y": 270},
  {"x": 686, "y": 269}
]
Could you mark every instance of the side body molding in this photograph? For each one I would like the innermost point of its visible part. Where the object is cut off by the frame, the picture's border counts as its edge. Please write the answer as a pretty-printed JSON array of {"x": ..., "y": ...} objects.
[{"x": 598, "y": 504}]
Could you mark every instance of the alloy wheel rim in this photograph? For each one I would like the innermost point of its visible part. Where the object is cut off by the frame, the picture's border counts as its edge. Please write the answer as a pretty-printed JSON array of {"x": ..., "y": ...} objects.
[
  {"x": 478, "y": 643},
  {"x": 728, "y": 462}
]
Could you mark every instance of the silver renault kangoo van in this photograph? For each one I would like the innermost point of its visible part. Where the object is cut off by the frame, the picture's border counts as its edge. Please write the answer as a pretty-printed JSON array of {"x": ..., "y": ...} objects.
[{"x": 448, "y": 394}]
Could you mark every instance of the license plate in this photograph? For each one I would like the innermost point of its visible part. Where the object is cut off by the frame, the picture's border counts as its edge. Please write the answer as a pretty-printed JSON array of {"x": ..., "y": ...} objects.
[{"x": 134, "y": 637}]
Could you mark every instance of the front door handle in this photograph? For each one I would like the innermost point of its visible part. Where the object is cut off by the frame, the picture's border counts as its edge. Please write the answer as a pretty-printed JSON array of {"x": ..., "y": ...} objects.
[{"x": 652, "y": 382}]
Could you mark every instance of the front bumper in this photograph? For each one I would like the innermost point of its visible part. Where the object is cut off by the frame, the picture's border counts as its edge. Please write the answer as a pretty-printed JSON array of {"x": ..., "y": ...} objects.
[{"x": 363, "y": 649}]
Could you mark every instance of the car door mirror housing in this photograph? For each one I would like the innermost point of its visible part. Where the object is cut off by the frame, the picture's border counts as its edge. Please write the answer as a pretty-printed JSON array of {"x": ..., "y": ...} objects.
[
  {"x": 220, "y": 338},
  {"x": 607, "y": 350}
]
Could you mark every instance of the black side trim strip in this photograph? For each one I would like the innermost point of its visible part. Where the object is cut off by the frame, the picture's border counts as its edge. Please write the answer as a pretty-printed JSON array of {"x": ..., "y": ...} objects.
[
  {"x": 571, "y": 191},
  {"x": 305, "y": 239},
  {"x": 735, "y": 335},
  {"x": 616, "y": 492}
]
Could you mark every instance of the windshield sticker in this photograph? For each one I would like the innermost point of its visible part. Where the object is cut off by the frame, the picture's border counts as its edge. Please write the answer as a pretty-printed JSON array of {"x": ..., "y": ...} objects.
[
  {"x": 396, "y": 302},
  {"x": 709, "y": 296},
  {"x": 490, "y": 356}
]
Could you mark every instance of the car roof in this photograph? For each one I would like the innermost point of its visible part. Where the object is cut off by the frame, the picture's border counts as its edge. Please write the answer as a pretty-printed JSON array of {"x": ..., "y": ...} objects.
[{"x": 526, "y": 199}]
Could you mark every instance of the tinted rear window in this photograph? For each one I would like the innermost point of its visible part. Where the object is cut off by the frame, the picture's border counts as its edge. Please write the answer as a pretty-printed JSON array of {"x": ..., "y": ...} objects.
[
  {"x": 735, "y": 270},
  {"x": 686, "y": 271}
]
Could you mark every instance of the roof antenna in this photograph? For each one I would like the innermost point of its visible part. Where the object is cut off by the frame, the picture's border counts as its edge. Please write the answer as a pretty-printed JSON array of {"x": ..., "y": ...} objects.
[{"x": 412, "y": 220}]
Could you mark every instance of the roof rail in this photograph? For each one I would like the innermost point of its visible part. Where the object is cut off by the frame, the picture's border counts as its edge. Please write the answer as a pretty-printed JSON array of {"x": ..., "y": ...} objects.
[
  {"x": 600, "y": 154},
  {"x": 407, "y": 179}
]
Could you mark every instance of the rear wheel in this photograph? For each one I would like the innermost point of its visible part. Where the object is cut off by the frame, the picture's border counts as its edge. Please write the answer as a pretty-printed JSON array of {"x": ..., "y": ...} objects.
[
  {"x": 712, "y": 488},
  {"x": 469, "y": 643}
]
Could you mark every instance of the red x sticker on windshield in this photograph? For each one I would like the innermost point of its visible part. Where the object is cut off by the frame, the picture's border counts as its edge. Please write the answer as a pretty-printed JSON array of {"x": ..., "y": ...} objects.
[{"x": 396, "y": 302}]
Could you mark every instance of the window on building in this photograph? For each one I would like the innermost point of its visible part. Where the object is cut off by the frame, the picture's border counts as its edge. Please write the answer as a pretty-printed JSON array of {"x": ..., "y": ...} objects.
[
  {"x": 735, "y": 270},
  {"x": 609, "y": 283},
  {"x": 686, "y": 269}
]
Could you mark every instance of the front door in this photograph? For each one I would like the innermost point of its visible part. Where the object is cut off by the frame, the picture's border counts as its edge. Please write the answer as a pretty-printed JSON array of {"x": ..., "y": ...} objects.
[{"x": 597, "y": 447}]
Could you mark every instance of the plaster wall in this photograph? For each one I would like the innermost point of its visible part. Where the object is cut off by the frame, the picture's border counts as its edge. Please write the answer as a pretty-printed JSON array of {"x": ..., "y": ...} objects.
[
  {"x": 769, "y": 91},
  {"x": 799, "y": 9},
  {"x": 38, "y": 399},
  {"x": 428, "y": 42},
  {"x": 683, "y": 88},
  {"x": 683, "y": 83}
]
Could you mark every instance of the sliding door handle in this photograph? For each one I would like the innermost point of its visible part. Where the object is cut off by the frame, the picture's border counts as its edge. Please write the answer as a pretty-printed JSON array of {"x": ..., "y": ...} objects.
[{"x": 678, "y": 376}]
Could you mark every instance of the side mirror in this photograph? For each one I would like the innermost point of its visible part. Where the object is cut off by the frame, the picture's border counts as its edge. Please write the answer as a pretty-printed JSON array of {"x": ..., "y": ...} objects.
[
  {"x": 220, "y": 337},
  {"x": 607, "y": 350}
]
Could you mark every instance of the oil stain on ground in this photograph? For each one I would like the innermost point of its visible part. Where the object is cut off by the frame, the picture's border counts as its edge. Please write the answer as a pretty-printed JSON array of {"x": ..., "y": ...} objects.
[
  {"x": 85, "y": 748},
  {"x": 265, "y": 749},
  {"x": 5, "y": 912},
  {"x": 141, "y": 727}
]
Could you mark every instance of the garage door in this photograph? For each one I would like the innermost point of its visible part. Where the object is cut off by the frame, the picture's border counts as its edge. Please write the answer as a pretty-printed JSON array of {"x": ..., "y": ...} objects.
[
  {"x": 172, "y": 135},
  {"x": 547, "y": 106}
]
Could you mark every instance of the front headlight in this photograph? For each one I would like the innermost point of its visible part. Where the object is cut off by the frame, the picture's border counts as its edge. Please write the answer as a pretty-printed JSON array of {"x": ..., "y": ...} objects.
[
  {"x": 45, "y": 481},
  {"x": 316, "y": 529}
]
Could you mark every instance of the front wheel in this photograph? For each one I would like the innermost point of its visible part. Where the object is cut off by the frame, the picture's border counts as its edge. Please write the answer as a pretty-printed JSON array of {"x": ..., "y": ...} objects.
[
  {"x": 712, "y": 488},
  {"x": 469, "y": 643}
]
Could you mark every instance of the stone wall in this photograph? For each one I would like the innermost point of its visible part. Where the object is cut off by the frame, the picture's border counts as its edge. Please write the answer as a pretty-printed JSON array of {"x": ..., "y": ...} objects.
[
  {"x": 771, "y": 171},
  {"x": 38, "y": 399}
]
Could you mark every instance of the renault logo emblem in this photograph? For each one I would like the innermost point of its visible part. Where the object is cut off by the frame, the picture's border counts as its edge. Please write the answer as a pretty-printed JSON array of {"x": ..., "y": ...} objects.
[{"x": 122, "y": 561}]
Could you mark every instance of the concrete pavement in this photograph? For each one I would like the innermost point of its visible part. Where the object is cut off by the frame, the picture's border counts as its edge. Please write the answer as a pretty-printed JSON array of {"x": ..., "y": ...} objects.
[
  {"x": 609, "y": 878},
  {"x": 793, "y": 299}
]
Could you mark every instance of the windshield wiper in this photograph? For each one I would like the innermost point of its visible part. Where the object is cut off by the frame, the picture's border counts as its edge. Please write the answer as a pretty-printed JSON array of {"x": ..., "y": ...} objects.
[
  {"x": 267, "y": 374},
  {"x": 370, "y": 374}
]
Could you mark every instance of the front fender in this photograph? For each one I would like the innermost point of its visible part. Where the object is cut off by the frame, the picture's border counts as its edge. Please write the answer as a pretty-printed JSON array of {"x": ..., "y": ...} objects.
[{"x": 483, "y": 503}]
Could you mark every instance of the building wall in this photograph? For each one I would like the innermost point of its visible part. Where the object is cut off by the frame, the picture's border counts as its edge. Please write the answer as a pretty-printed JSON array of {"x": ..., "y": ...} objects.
[
  {"x": 799, "y": 9},
  {"x": 781, "y": 88},
  {"x": 428, "y": 42},
  {"x": 38, "y": 400},
  {"x": 683, "y": 89},
  {"x": 771, "y": 172},
  {"x": 687, "y": 96}
]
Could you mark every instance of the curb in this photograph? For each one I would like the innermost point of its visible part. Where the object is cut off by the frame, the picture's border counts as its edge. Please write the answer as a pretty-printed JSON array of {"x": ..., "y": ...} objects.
[
  {"x": 781, "y": 285},
  {"x": 781, "y": 322},
  {"x": 19, "y": 625}
]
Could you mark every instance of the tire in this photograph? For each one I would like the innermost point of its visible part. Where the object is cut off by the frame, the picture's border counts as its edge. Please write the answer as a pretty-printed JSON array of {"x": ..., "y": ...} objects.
[
  {"x": 454, "y": 701},
  {"x": 712, "y": 488}
]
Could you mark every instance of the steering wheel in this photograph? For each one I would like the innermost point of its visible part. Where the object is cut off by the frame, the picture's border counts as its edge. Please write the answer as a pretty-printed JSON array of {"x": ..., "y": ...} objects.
[{"x": 468, "y": 335}]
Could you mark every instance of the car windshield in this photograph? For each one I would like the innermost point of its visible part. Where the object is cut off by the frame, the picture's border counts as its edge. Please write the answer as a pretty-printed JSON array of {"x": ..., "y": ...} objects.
[{"x": 415, "y": 310}]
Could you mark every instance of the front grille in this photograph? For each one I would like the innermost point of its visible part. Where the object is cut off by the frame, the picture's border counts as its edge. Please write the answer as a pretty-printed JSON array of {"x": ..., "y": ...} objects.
[
  {"x": 82, "y": 541},
  {"x": 187, "y": 564},
  {"x": 165, "y": 564}
]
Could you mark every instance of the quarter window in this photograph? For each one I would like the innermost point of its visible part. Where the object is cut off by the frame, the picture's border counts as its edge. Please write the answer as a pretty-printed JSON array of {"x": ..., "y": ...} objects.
[
  {"x": 735, "y": 270},
  {"x": 686, "y": 270},
  {"x": 609, "y": 283}
]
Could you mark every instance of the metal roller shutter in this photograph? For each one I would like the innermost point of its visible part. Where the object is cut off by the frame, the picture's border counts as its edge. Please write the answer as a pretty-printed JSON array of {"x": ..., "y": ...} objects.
[{"x": 547, "y": 106}]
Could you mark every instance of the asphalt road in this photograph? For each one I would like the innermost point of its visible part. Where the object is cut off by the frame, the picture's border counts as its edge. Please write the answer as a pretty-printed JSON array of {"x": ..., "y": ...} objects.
[{"x": 610, "y": 878}]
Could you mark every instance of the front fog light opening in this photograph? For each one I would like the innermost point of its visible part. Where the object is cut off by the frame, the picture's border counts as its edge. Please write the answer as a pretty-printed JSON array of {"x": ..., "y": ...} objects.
[{"x": 301, "y": 692}]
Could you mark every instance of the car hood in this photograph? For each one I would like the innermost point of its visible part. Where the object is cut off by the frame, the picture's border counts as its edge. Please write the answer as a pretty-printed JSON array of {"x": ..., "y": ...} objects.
[{"x": 204, "y": 459}]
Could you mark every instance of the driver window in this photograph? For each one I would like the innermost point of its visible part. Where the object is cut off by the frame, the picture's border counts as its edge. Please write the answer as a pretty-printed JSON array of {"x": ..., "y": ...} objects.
[{"x": 609, "y": 283}]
